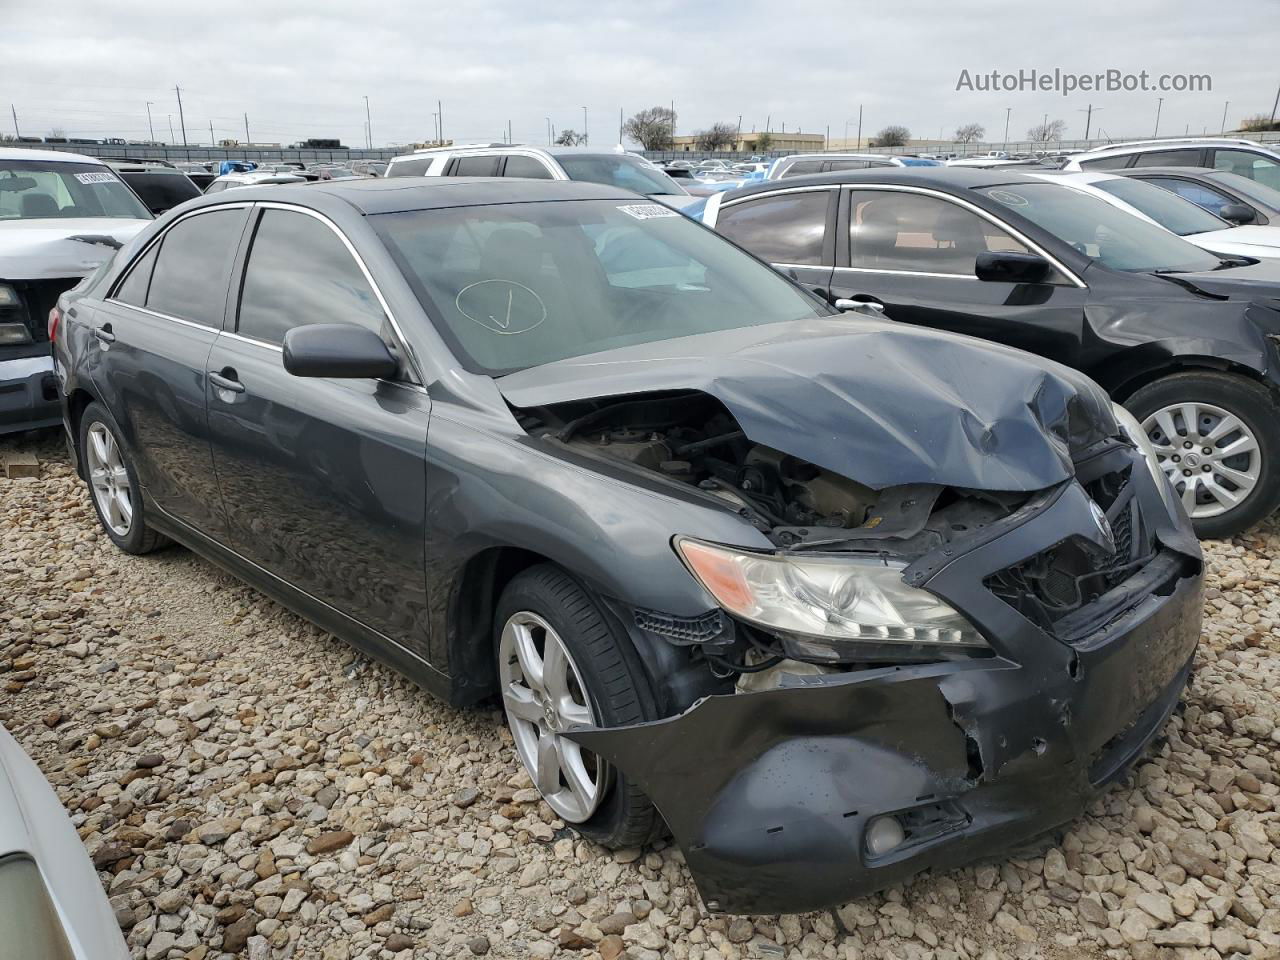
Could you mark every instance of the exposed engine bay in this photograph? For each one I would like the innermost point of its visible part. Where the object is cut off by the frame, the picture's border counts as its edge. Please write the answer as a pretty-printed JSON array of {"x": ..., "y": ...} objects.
[{"x": 690, "y": 438}]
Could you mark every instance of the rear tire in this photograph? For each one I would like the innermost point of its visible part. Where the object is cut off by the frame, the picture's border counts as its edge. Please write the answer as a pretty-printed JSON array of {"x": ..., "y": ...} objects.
[
  {"x": 540, "y": 608},
  {"x": 113, "y": 484},
  {"x": 1225, "y": 466}
]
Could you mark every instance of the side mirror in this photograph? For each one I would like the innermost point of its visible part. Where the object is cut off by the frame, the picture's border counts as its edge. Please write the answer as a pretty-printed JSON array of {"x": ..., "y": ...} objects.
[
  {"x": 337, "y": 350},
  {"x": 1006, "y": 267},
  {"x": 1238, "y": 213}
]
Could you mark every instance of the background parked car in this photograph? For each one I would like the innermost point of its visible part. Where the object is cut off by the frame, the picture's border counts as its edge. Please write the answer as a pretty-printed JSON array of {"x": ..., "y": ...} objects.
[
  {"x": 1244, "y": 158},
  {"x": 1186, "y": 341},
  {"x": 61, "y": 216},
  {"x": 803, "y": 164},
  {"x": 199, "y": 173},
  {"x": 613, "y": 168},
  {"x": 1168, "y": 210},
  {"x": 257, "y": 178},
  {"x": 1228, "y": 195},
  {"x": 51, "y": 904},
  {"x": 159, "y": 184}
]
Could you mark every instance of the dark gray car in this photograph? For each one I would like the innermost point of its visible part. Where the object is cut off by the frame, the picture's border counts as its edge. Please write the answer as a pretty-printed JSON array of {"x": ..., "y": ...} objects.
[{"x": 831, "y": 598}]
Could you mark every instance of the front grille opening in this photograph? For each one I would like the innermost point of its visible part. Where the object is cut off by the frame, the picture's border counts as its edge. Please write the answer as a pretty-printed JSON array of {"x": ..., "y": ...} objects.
[{"x": 1075, "y": 572}]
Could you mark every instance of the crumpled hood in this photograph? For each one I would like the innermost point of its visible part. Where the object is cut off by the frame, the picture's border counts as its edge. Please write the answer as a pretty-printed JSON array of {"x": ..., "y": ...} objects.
[
  {"x": 881, "y": 403},
  {"x": 41, "y": 249}
]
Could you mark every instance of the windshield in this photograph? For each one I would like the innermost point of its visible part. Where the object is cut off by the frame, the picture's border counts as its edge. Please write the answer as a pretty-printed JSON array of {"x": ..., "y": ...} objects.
[
  {"x": 44, "y": 189},
  {"x": 1097, "y": 229},
  {"x": 616, "y": 170},
  {"x": 1163, "y": 206},
  {"x": 1258, "y": 192},
  {"x": 517, "y": 285}
]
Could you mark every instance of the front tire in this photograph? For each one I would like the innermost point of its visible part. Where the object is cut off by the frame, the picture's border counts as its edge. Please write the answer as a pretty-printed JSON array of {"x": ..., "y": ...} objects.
[
  {"x": 560, "y": 662},
  {"x": 113, "y": 484},
  {"x": 1217, "y": 437}
]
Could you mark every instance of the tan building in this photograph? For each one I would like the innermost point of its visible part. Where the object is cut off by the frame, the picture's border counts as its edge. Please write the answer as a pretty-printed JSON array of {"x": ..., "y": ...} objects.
[{"x": 750, "y": 142}]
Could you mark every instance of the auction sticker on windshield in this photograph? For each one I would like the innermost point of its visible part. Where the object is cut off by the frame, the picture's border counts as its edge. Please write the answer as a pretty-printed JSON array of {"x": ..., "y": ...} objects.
[
  {"x": 95, "y": 178},
  {"x": 647, "y": 211}
]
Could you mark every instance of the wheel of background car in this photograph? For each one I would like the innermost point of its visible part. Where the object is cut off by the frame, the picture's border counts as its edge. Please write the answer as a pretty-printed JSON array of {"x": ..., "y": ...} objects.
[
  {"x": 1217, "y": 437},
  {"x": 113, "y": 485},
  {"x": 562, "y": 662}
]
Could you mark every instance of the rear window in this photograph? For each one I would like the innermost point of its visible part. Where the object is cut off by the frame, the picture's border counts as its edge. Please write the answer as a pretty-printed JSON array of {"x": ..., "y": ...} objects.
[
  {"x": 409, "y": 168},
  {"x": 161, "y": 191},
  {"x": 617, "y": 170},
  {"x": 54, "y": 189}
]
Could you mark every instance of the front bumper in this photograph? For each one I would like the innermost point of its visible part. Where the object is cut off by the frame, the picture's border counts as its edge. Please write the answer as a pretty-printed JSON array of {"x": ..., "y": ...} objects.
[
  {"x": 28, "y": 393},
  {"x": 770, "y": 794}
]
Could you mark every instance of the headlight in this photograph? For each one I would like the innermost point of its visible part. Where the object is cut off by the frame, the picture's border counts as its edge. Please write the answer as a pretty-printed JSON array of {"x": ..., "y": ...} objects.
[
  {"x": 11, "y": 333},
  {"x": 1138, "y": 437},
  {"x": 8, "y": 296},
  {"x": 845, "y": 599}
]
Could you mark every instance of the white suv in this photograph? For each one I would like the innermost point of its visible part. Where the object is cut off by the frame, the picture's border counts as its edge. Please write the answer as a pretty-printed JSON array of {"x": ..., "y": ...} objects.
[
  {"x": 615, "y": 168},
  {"x": 1246, "y": 158}
]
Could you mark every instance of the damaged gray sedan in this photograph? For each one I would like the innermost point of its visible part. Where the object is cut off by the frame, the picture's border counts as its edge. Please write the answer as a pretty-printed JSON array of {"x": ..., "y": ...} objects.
[{"x": 831, "y": 599}]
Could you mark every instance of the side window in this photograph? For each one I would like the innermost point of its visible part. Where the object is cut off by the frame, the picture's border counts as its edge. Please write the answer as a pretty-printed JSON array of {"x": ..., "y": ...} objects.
[
  {"x": 785, "y": 228},
  {"x": 1251, "y": 165},
  {"x": 527, "y": 167},
  {"x": 1197, "y": 193},
  {"x": 904, "y": 231},
  {"x": 134, "y": 288},
  {"x": 474, "y": 167},
  {"x": 193, "y": 267},
  {"x": 217, "y": 186},
  {"x": 801, "y": 167},
  {"x": 847, "y": 165},
  {"x": 409, "y": 168},
  {"x": 299, "y": 272},
  {"x": 1169, "y": 158},
  {"x": 1107, "y": 163}
]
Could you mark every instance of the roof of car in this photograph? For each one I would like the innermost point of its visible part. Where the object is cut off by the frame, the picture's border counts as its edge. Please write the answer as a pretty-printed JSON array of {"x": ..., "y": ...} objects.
[
  {"x": 56, "y": 156},
  {"x": 377, "y": 195},
  {"x": 945, "y": 178}
]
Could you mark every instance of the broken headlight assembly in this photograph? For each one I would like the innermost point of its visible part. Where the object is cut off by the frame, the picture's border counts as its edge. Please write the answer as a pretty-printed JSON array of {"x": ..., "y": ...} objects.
[{"x": 828, "y": 608}]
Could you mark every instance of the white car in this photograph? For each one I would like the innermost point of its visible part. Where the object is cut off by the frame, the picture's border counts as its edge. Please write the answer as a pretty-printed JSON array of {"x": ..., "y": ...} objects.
[
  {"x": 51, "y": 903},
  {"x": 61, "y": 217},
  {"x": 255, "y": 178},
  {"x": 1176, "y": 214},
  {"x": 615, "y": 168},
  {"x": 1246, "y": 158}
]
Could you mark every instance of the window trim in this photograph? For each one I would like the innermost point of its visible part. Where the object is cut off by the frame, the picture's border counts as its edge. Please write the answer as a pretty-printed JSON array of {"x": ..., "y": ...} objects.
[
  {"x": 401, "y": 344},
  {"x": 968, "y": 205},
  {"x": 137, "y": 258}
]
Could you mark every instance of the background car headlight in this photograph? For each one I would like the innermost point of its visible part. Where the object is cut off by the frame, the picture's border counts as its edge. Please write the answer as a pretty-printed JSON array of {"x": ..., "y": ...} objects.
[
  {"x": 8, "y": 296},
  {"x": 850, "y": 599},
  {"x": 1138, "y": 437}
]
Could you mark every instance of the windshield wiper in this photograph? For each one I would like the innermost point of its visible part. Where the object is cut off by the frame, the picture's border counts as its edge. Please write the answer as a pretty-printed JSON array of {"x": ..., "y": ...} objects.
[{"x": 98, "y": 239}]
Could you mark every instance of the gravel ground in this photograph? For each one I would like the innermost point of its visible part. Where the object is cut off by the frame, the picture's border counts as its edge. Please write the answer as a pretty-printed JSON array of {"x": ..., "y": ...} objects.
[{"x": 248, "y": 785}]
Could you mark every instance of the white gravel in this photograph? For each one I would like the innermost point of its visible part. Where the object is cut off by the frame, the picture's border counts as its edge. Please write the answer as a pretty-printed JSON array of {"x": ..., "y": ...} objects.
[{"x": 250, "y": 786}]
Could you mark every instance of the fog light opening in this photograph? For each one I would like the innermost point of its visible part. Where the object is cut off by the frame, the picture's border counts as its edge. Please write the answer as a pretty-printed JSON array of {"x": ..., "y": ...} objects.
[{"x": 884, "y": 834}]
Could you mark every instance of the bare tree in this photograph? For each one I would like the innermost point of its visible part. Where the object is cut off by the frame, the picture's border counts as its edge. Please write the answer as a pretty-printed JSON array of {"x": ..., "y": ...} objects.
[
  {"x": 57, "y": 132},
  {"x": 1260, "y": 122},
  {"x": 651, "y": 128},
  {"x": 892, "y": 136},
  {"x": 1044, "y": 132},
  {"x": 570, "y": 138},
  {"x": 719, "y": 136},
  {"x": 970, "y": 132}
]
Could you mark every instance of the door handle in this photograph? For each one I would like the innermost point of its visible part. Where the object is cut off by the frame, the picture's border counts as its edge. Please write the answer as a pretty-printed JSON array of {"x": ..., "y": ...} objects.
[
  {"x": 226, "y": 380},
  {"x": 104, "y": 334}
]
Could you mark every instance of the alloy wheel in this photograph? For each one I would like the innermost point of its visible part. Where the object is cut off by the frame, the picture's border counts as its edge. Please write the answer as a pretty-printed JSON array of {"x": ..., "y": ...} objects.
[
  {"x": 544, "y": 695},
  {"x": 1210, "y": 456},
  {"x": 109, "y": 479}
]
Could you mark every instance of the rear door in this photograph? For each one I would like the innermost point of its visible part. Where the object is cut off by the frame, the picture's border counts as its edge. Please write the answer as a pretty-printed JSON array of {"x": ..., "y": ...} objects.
[
  {"x": 793, "y": 229},
  {"x": 324, "y": 479},
  {"x": 914, "y": 252},
  {"x": 475, "y": 165},
  {"x": 151, "y": 338}
]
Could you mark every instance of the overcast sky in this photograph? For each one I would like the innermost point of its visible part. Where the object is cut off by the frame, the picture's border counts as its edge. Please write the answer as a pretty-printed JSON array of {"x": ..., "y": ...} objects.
[{"x": 301, "y": 68}]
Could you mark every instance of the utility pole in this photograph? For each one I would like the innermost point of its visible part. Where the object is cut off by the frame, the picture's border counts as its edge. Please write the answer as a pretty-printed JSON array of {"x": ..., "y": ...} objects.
[
  {"x": 584, "y": 126},
  {"x": 1274, "y": 104},
  {"x": 1088, "y": 119},
  {"x": 172, "y": 140},
  {"x": 1007, "y": 112},
  {"x": 509, "y": 140},
  {"x": 548, "y": 119},
  {"x": 673, "y": 125},
  {"x": 150, "y": 128},
  {"x": 1224, "y": 115},
  {"x": 368, "y": 123},
  {"x": 247, "y": 139},
  {"x": 440, "y": 114},
  {"x": 738, "y": 135},
  {"x": 182, "y": 121},
  {"x": 1159, "y": 105},
  {"x": 212, "y": 142},
  {"x": 859, "y": 126},
  {"x": 620, "y": 126},
  {"x": 16, "y": 132}
]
